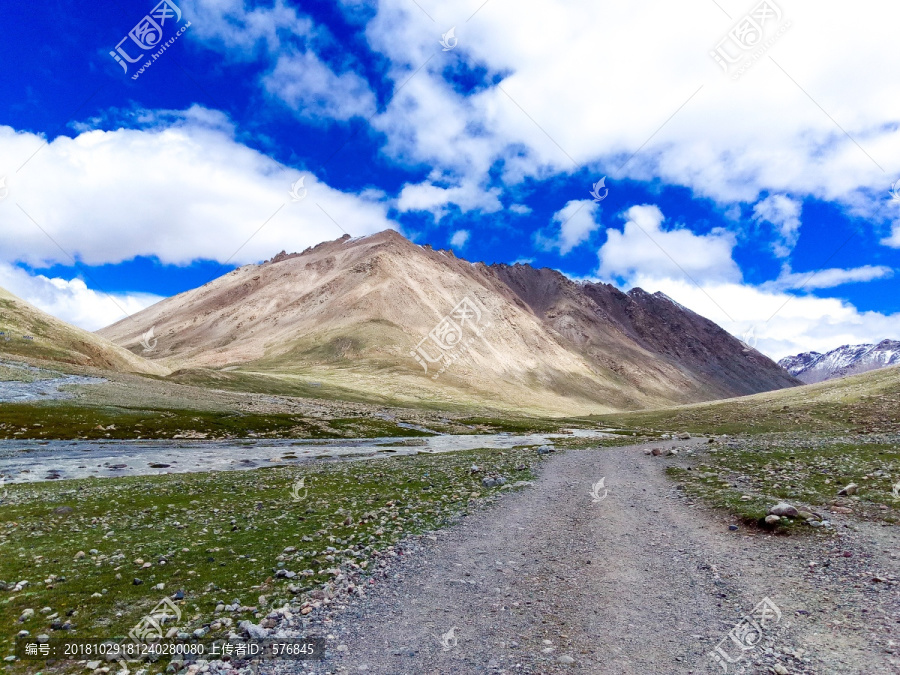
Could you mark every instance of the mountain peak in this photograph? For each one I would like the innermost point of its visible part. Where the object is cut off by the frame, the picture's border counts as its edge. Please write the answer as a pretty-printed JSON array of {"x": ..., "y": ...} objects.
[
  {"x": 359, "y": 310},
  {"x": 811, "y": 367}
]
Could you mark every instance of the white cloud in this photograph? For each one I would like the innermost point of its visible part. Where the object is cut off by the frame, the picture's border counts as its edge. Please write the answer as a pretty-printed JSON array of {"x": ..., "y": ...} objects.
[
  {"x": 783, "y": 323},
  {"x": 576, "y": 221},
  {"x": 288, "y": 41},
  {"x": 316, "y": 93},
  {"x": 893, "y": 240},
  {"x": 459, "y": 239},
  {"x": 430, "y": 197},
  {"x": 520, "y": 209},
  {"x": 239, "y": 32},
  {"x": 643, "y": 246},
  {"x": 827, "y": 278},
  {"x": 784, "y": 213},
  {"x": 732, "y": 141},
  {"x": 72, "y": 300},
  {"x": 179, "y": 190}
]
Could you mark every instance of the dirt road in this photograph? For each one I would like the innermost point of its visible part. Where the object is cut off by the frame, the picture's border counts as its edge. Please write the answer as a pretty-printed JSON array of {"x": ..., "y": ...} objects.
[{"x": 642, "y": 581}]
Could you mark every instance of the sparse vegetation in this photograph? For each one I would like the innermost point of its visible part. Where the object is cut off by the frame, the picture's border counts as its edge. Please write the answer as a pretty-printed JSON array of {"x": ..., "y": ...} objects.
[
  {"x": 746, "y": 476},
  {"x": 82, "y": 544}
]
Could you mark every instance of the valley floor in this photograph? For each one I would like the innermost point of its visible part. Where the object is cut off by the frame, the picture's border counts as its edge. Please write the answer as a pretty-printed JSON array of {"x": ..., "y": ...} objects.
[{"x": 642, "y": 581}]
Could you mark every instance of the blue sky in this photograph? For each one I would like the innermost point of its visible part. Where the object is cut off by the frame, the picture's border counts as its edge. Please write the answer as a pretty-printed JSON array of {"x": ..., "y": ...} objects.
[{"x": 760, "y": 198}]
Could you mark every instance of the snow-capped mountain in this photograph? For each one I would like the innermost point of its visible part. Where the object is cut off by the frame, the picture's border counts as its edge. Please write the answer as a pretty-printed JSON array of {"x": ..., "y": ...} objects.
[{"x": 811, "y": 367}]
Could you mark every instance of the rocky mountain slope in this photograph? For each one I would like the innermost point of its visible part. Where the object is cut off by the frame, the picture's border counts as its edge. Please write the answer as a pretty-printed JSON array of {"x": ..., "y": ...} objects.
[
  {"x": 28, "y": 332},
  {"x": 811, "y": 367},
  {"x": 385, "y": 316}
]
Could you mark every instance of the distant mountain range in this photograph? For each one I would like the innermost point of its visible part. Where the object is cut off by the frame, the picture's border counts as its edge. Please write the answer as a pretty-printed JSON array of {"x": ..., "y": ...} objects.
[
  {"x": 811, "y": 367},
  {"x": 386, "y": 318}
]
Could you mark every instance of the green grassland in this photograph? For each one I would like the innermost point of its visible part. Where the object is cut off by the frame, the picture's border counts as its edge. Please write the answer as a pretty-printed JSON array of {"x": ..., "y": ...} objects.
[
  {"x": 747, "y": 476},
  {"x": 864, "y": 403},
  {"x": 54, "y": 420},
  {"x": 82, "y": 544}
]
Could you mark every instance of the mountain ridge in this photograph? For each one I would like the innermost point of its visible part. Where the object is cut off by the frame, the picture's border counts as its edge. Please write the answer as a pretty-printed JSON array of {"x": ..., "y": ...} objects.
[
  {"x": 353, "y": 311},
  {"x": 812, "y": 367}
]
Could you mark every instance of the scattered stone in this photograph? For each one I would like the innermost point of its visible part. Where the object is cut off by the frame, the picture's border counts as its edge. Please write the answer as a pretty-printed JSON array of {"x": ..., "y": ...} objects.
[
  {"x": 137, "y": 582},
  {"x": 493, "y": 481},
  {"x": 26, "y": 615},
  {"x": 772, "y": 519},
  {"x": 841, "y": 509},
  {"x": 63, "y": 510},
  {"x": 80, "y": 555},
  {"x": 252, "y": 630},
  {"x": 784, "y": 509},
  {"x": 92, "y": 665},
  {"x": 545, "y": 449},
  {"x": 849, "y": 490},
  {"x": 656, "y": 452},
  {"x": 780, "y": 669},
  {"x": 684, "y": 436},
  {"x": 565, "y": 659},
  {"x": 733, "y": 528}
]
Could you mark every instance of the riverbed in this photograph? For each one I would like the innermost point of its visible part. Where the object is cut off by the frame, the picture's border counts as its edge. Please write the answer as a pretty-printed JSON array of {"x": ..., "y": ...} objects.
[{"x": 28, "y": 461}]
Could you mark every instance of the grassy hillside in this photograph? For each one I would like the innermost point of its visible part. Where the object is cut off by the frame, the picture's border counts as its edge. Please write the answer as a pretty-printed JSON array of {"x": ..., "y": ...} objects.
[
  {"x": 864, "y": 403},
  {"x": 57, "y": 341}
]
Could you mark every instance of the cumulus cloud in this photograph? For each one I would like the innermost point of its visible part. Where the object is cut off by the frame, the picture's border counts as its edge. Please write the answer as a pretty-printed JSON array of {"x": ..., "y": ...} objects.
[
  {"x": 893, "y": 240},
  {"x": 575, "y": 222},
  {"x": 459, "y": 239},
  {"x": 707, "y": 280},
  {"x": 315, "y": 92},
  {"x": 712, "y": 144},
  {"x": 180, "y": 191},
  {"x": 433, "y": 198},
  {"x": 782, "y": 323},
  {"x": 288, "y": 41},
  {"x": 784, "y": 214},
  {"x": 643, "y": 245},
  {"x": 72, "y": 300}
]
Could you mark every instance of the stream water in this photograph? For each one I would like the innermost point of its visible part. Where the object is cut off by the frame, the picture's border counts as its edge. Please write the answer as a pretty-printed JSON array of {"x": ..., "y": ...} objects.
[{"x": 28, "y": 461}]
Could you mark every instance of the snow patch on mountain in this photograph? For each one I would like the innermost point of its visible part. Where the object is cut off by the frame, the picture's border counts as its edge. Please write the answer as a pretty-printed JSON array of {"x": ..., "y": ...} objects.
[{"x": 811, "y": 367}]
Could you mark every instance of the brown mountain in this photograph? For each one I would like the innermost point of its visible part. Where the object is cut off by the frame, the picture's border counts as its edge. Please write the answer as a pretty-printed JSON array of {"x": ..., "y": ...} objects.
[{"x": 352, "y": 312}]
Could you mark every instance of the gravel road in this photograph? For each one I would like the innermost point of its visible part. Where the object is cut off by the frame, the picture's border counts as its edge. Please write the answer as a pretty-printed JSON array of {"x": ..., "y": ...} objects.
[{"x": 643, "y": 581}]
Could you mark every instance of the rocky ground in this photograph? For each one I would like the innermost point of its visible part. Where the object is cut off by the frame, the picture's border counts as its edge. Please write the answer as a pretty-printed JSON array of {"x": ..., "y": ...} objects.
[{"x": 556, "y": 579}]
